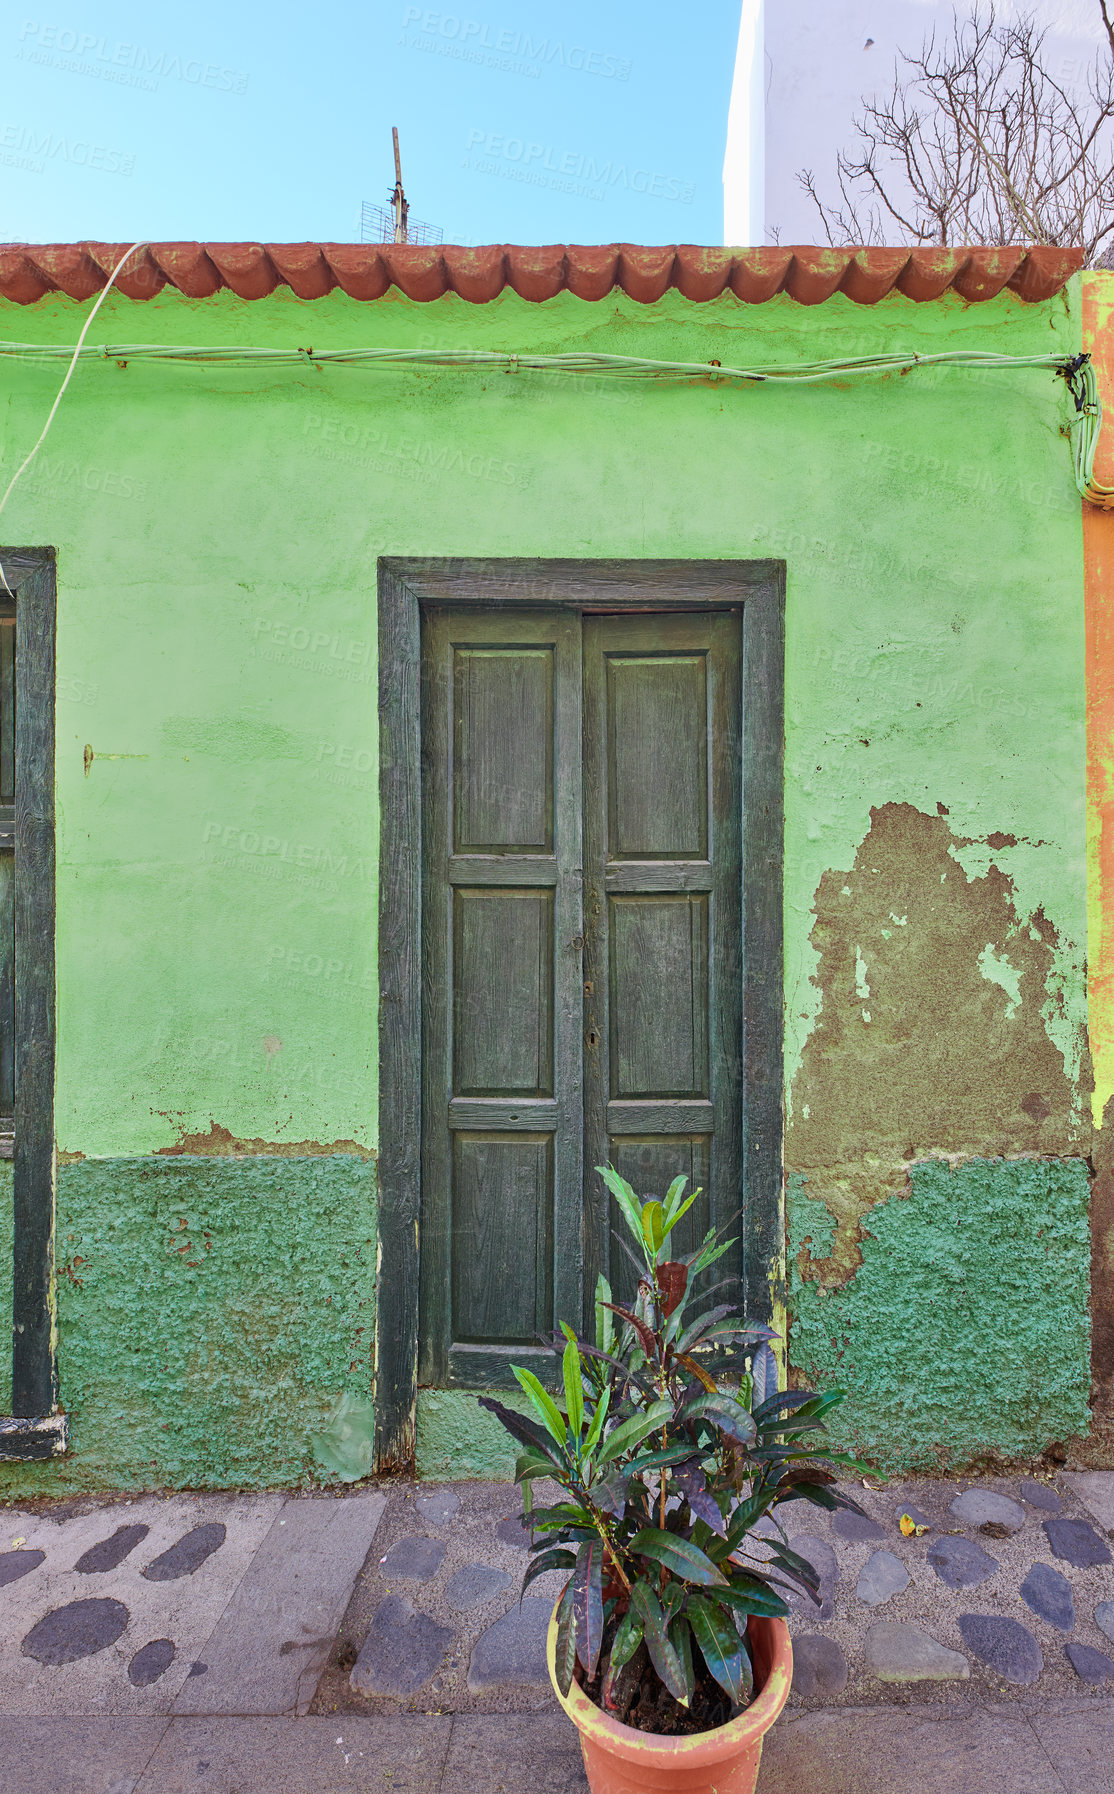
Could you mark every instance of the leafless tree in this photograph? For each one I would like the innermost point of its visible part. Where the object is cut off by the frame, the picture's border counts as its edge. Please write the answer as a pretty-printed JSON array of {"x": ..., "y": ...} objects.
[{"x": 978, "y": 142}]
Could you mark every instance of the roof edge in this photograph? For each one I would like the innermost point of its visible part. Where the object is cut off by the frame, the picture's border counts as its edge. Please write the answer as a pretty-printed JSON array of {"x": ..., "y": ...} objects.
[{"x": 29, "y": 272}]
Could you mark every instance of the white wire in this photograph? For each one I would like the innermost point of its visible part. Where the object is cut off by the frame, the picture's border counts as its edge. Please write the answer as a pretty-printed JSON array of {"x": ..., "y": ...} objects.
[{"x": 26, "y": 462}]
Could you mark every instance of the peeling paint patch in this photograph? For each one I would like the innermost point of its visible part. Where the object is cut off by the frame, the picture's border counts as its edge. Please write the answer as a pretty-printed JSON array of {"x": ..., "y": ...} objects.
[
  {"x": 963, "y": 1333},
  {"x": 219, "y": 1143},
  {"x": 945, "y": 1067}
]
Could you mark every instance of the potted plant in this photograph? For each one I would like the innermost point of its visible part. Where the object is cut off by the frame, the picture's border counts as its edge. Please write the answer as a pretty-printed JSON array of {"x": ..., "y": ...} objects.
[{"x": 668, "y": 1647}]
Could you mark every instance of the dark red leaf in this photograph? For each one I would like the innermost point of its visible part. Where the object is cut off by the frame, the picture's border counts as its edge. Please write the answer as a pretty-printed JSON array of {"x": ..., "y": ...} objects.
[
  {"x": 673, "y": 1279},
  {"x": 645, "y": 1336}
]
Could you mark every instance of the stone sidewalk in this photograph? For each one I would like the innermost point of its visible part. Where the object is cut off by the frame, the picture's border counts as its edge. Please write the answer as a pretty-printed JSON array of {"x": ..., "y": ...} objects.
[{"x": 374, "y": 1642}]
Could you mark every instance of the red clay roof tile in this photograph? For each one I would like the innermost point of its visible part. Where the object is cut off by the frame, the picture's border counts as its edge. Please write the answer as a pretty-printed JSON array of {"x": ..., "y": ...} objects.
[{"x": 590, "y": 271}]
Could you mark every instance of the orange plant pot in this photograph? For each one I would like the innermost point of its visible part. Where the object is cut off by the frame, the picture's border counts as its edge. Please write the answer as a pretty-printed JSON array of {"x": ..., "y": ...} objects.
[{"x": 618, "y": 1759}]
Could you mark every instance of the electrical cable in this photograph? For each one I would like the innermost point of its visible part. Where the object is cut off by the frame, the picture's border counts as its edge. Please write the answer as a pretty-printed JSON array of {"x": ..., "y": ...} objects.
[
  {"x": 1077, "y": 371},
  {"x": 26, "y": 462}
]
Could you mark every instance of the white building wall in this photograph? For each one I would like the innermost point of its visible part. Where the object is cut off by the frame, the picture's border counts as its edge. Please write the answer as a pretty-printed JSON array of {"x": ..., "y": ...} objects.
[{"x": 801, "y": 71}]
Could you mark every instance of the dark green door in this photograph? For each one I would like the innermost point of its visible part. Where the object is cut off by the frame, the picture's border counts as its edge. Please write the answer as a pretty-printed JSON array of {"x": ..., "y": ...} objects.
[{"x": 581, "y": 914}]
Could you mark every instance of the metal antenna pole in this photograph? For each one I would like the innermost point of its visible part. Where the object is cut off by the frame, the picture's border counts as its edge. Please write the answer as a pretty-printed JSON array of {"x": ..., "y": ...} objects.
[{"x": 398, "y": 197}]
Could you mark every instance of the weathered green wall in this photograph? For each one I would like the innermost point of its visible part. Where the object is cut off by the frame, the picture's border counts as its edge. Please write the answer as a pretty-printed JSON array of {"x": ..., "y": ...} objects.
[
  {"x": 217, "y": 534},
  {"x": 962, "y": 1334},
  {"x": 211, "y": 1311}
]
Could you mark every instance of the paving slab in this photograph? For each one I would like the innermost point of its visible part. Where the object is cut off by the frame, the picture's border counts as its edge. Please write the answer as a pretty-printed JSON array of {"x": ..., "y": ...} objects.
[
  {"x": 895, "y": 1651},
  {"x": 1079, "y": 1739},
  {"x": 75, "y": 1756},
  {"x": 870, "y": 1750},
  {"x": 271, "y": 1644},
  {"x": 269, "y": 1755},
  {"x": 508, "y": 1752},
  {"x": 1095, "y": 1489},
  {"x": 59, "y": 1610}
]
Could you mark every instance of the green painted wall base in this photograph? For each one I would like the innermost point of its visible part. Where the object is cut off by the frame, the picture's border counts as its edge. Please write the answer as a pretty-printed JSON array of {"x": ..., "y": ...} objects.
[
  {"x": 458, "y": 1438},
  {"x": 962, "y": 1334},
  {"x": 211, "y": 1311}
]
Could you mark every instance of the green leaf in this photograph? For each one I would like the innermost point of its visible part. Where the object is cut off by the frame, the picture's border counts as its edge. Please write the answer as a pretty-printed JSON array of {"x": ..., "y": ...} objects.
[
  {"x": 656, "y": 1460},
  {"x": 556, "y": 1558},
  {"x": 632, "y": 1432},
  {"x": 625, "y": 1197},
  {"x": 652, "y": 1225},
  {"x": 566, "y": 1642},
  {"x": 673, "y": 1196},
  {"x": 628, "y": 1637},
  {"x": 574, "y": 1390},
  {"x": 587, "y": 1601},
  {"x": 680, "y": 1637},
  {"x": 719, "y": 1644},
  {"x": 543, "y": 1404},
  {"x": 724, "y": 1412},
  {"x": 595, "y": 1427},
  {"x": 529, "y": 1464},
  {"x": 663, "y": 1656},
  {"x": 681, "y": 1213},
  {"x": 749, "y": 1594},
  {"x": 679, "y": 1555},
  {"x": 605, "y": 1326},
  {"x": 708, "y": 1254}
]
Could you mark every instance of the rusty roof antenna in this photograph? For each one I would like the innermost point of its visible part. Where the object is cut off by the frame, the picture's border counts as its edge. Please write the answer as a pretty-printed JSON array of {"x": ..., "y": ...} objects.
[{"x": 378, "y": 224}]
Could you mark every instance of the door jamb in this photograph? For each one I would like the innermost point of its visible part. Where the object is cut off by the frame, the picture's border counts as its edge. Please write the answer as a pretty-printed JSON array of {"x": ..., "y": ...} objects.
[{"x": 404, "y": 586}]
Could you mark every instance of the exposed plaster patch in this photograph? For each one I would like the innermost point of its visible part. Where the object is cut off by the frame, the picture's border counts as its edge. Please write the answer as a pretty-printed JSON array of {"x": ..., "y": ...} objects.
[
  {"x": 944, "y": 1069},
  {"x": 997, "y": 968},
  {"x": 219, "y": 1143}
]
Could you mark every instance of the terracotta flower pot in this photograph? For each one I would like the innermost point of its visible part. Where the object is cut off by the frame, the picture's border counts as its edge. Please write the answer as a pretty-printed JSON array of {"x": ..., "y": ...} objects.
[{"x": 620, "y": 1760}]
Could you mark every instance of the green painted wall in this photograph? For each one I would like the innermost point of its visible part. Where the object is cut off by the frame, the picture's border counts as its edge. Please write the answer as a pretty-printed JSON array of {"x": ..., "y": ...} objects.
[
  {"x": 217, "y": 534},
  {"x": 211, "y": 1312},
  {"x": 963, "y": 1333}
]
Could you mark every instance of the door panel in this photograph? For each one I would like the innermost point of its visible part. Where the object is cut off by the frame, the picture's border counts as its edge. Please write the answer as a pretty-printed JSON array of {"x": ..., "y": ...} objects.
[
  {"x": 581, "y": 911},
  {"x": 502, "y": 1135},
  {"x": 663, "y": 919},
  {"x": 502, "y": 1221},
  {"x": 503, "y": 751},
  {"x": 657, "y": 750},
  {"x": 658, "y": 996},
  {"x": 503, "y": 968}
]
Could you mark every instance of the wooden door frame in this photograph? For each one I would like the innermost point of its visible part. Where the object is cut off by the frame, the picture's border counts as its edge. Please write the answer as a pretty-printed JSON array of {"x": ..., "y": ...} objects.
[
  {"x": 35, "y": 1428},
  {"x": 404, "y": 587}
]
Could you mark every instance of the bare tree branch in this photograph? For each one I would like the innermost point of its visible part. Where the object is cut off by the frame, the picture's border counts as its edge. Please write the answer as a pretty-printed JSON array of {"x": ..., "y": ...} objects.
[{"x": 977, "y": 141}]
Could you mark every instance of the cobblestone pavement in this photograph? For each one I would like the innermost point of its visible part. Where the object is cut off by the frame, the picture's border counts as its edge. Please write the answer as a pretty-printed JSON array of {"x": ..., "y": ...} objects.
[
  {"x": 991, "y": 1589},
  {"x": 374, "y": 1643}
]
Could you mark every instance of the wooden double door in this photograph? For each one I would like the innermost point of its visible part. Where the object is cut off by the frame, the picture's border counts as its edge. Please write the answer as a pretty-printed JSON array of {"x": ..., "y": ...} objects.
[{"x": 582, "y": 911}]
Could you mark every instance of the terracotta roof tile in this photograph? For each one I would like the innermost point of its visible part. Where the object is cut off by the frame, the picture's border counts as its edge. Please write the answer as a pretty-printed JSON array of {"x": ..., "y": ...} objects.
[{"x": 590, "y": 271}]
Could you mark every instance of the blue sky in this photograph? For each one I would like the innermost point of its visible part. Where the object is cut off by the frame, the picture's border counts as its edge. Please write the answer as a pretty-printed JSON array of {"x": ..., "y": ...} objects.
[{"x": 531, "y": 123}]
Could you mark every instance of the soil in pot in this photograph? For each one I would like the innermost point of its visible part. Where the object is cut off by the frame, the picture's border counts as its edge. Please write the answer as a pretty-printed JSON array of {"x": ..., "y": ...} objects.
[{"x": 638, "y": 1698}]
